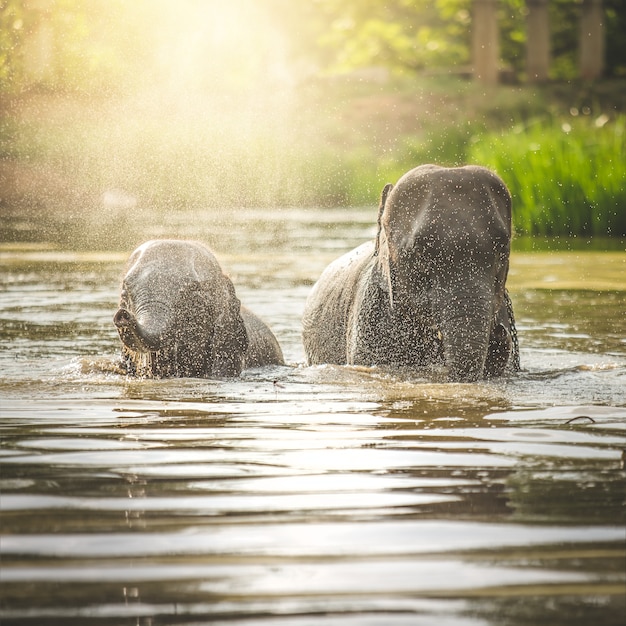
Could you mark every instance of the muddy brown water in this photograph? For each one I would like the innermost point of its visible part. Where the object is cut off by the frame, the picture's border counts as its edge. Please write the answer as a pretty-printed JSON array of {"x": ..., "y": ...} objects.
[{"x": 299, "y": 495}]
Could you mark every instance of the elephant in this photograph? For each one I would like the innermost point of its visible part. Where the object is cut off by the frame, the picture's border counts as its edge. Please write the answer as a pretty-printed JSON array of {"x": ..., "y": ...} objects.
[
  {"x": 429, "y": 291},
  {"x": 179, "y": 316}
]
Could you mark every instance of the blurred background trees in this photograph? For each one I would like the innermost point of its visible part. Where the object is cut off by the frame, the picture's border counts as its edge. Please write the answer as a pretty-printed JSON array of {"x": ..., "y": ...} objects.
[
  {"x": 107, "y": 44},
  {"x": 422, "y": 35},
  {"x": 223, "y": 104}
]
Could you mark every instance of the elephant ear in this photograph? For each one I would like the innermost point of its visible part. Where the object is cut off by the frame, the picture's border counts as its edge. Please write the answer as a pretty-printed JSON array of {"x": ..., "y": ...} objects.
[
  {"x": 230, "y": 340},
  {"x": 385, "y": 261},
  {"x": 381, "y": 209}
]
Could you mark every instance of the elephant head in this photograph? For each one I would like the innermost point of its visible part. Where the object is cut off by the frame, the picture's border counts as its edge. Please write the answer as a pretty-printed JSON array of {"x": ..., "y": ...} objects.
[
  {"x": 178, "y": 314},
  {"x": 443, "y": 248}
]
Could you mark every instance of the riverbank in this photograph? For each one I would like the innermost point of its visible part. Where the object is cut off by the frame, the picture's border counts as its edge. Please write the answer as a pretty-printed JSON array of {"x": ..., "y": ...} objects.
[{"x": 327, "y": 143}]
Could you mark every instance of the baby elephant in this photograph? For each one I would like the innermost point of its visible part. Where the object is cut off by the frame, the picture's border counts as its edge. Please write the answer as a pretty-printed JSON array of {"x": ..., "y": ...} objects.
[
  {"x": 431, "y": 288},
  {"x": 179, "y": 316}
]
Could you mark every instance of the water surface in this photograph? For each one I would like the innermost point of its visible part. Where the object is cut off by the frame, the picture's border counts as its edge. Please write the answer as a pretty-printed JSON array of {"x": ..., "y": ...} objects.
[{"x": 298, "y": 495}]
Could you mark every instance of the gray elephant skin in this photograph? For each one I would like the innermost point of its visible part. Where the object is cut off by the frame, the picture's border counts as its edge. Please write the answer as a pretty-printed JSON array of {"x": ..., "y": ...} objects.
[
  {"x": 430, "y": 290},
  {"x": 179, "y": 316}
]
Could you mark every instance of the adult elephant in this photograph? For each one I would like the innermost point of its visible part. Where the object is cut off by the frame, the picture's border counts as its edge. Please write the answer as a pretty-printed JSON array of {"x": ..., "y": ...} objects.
[
  {"x": 431, "y": 288},
  {"x": 179, "y": 316}
]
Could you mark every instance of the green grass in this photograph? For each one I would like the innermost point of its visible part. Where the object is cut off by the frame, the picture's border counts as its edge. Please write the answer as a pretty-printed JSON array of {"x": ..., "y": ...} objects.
[{"x": 566, "y": 178}]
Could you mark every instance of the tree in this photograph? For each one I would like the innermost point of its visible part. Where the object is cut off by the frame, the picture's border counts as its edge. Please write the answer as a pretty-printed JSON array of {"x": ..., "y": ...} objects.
[
  {"x": 403, "y": 35},
  {"x": 413, "y": 35},
  {"x": 105, "y": 44}
]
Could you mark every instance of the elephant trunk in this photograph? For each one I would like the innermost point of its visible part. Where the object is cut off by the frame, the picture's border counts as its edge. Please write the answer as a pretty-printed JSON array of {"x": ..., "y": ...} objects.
[
  {"x": 146, "y": 331},
  {"x": 465, "y": 326}
]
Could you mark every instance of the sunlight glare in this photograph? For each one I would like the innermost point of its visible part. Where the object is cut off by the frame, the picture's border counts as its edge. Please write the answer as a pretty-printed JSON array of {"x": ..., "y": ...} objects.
[{"x": 216, "y": 45}]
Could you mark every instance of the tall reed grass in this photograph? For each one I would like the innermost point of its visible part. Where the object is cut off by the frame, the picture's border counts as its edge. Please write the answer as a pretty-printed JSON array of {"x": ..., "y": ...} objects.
[{"x": 566, "y": 178}]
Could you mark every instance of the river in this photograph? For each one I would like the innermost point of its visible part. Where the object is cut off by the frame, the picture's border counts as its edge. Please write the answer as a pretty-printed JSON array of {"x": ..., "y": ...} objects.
[{"x": 304, "y": 495}]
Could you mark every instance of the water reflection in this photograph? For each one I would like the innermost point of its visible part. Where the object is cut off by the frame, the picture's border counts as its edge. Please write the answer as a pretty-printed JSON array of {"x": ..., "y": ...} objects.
[{"x": 302, "y": 495}]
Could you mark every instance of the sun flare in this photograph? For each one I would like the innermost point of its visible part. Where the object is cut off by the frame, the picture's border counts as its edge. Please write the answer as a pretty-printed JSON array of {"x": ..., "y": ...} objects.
[{"x": 210, "y": 44}]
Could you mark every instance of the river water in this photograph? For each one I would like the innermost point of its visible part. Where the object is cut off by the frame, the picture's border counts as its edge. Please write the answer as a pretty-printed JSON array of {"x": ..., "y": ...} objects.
[{"x": 296, "y": 495}]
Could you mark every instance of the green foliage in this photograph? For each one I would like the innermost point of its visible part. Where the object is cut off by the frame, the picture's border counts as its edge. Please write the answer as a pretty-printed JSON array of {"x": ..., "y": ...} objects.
[
  {"x": 401, "y": 35},
  {"x": 615, "y": 56},
  {"x": 197, "y": 103},
  {"x": 567, "y": 173},
  {"x": 511, "y": 19},
  {"x": 410, "y": 35},
  {"x": 97, "y": 46},
  {"x": 63, "y": 44},
  {"x": 104, "y": 45},
  {"x": 566, "y": 177},
  {"x": 564, "y": 18}
]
